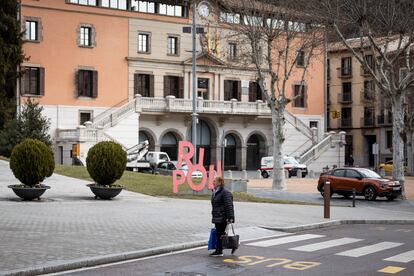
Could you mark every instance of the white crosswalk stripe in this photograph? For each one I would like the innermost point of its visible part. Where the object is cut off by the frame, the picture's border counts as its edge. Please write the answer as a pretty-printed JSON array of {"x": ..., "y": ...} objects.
[
  {"x": 324, "y": 245},
  {"x": 370, "y": 249},
  {"x": 405, "y": 257},
  {"x": 284, "y": 240}
]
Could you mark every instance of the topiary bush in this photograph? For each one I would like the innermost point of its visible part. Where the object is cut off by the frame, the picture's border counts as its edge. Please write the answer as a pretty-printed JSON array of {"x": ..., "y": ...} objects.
[
  {"x": 106, "y": 162},
  {"x": 32, "y": 161}
]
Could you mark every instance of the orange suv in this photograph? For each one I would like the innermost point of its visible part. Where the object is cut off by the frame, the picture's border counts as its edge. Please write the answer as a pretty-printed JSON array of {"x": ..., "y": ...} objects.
[{"x": 366, "y": 182}]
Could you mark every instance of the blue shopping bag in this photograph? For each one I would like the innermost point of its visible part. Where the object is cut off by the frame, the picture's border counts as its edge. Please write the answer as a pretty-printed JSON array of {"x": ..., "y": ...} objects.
[{"x": 212, "y": 241}]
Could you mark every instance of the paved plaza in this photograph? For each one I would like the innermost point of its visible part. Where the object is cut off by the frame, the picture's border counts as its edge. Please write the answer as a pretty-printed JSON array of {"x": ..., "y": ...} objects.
[{"x": 69, "y": 225}]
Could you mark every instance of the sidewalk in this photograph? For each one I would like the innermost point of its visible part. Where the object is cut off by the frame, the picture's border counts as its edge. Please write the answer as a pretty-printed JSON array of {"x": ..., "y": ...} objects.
[{"x": 68, "y": 225}]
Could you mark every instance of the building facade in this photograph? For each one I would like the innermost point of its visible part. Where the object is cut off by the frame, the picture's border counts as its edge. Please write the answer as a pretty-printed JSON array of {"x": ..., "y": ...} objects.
[{"x": 121, "y": 70}]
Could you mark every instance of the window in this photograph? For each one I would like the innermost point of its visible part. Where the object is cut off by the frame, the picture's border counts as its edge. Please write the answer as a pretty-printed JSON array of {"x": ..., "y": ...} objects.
[
  {"x": 144, "y": 85},
  {"x": 85, "y": 36},
  {"x": 389, "y": 139},
  {"x": 114, "y": 4},
  {"x": 232, "y": 51},
  {"x": 171, "y": 10},
  {"x": 328, "y": 69},
  {"x": 313, "y": 124},
  {"x": 300, "y": 58},
  {"x": 346, "y": 92},
  {"x": 203, "y": 85},
  {"x": 143, "y": 6},
  {"x": 87, "y": 83},
  {"x": 346, "y": 117},
  {"x": 174, "y": 86},
  {"x": 296, "y": 26},
  {"x": 339, "y": 173},
  {"x": 299, "y": 95},
  {"x": 255, "y": 92},
  {"x": 346, "y": 66},
  {"x": 353, "y": 174},
  {"x": 232, "y": 90},
  {"x": 31, "y": 30},
  {"x": 253, "y": 20},
  {"x": 33, "y": 81},
  {"x": 143, "y": 43},
  {"x": 275, "y": 23},
  {"x": 172, "y": 47},
  {"x": 85, "y": 116},
  {"x": 85, "y": 2},
  {"x": 232, "y": 18}
]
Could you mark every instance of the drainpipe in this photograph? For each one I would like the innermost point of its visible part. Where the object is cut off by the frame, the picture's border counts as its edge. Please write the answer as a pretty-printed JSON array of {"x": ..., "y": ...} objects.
[{"x": 19, "y": 79}]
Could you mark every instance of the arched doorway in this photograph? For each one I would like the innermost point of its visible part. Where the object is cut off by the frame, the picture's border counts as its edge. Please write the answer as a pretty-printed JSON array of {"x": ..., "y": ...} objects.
[
  {"x": 203, "y": 141},
  {"x": 231, "y": 152},
  {"x": 256, "y": 149},
  {"x": 169, "y": 144},
  {"x": 144, "y": 135}
]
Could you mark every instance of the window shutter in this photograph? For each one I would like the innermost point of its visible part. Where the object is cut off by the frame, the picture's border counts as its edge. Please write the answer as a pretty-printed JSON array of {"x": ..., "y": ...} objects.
[
  {"x": 181, "y": 87},
  {"x": 25, "y": 81},
  {"x": 294, "y": 102},
  {"x": 226, "y": 90},
  {"x": 239, "y": 90},
  {"x": 136, "y": 84},
  {"x": 151, "y": 88},
  {"x": 166, "y": 86},
  {"x": 305, "y": 96},
  {"x": 41, "y": 81},
  {"x": 79, "y": 82},
  {"x": 95, "y": 84},
  {"x": 251, "y": 92}
]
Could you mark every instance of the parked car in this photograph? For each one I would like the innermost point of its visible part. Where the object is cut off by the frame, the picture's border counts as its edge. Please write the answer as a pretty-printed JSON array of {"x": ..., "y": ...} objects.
[
  {"x": 290, "y": 164},
  {"x": 365, "y": 182},
  {"x": 167, "y": 168},
  {"x": 388, "y": 167}
]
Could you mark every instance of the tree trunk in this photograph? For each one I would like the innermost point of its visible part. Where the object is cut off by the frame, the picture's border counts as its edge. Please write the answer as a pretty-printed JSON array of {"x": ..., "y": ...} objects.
[
  {"x": 278, "y": 138},
  {"x": 410, "y": 157},
  {"x": 397, "y": 140}
]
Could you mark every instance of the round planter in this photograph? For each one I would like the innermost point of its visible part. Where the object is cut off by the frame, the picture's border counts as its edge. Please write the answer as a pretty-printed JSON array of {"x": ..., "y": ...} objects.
[
  {"x": 29, "y": 193},
  {"x": 104, "y": 192}
]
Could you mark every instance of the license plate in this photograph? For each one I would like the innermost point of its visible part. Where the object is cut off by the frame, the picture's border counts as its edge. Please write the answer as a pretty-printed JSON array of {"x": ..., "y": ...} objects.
[{"x": 396, "y": 188}]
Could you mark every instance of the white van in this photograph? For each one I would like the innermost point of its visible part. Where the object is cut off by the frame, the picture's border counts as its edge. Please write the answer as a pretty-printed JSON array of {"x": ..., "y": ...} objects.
[
  {"x": 289, "y": 163},
  {"x": 156, "y": 157}
]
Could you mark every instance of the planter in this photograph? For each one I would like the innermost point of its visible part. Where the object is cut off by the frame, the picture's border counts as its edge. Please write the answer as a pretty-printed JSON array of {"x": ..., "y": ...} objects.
[
  {"x": 104, "y": 192},
  {"x": 29, "y": 193}
]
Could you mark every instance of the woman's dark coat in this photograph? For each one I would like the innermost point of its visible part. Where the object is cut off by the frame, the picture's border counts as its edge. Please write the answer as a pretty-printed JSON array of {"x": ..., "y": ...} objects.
[{"x": 222, "y": 202}]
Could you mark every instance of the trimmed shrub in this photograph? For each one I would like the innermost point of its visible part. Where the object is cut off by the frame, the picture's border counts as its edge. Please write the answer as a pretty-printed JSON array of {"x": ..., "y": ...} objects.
[
  {"x": 32, "y": 161},
  {"x": 106, "y": 162}
]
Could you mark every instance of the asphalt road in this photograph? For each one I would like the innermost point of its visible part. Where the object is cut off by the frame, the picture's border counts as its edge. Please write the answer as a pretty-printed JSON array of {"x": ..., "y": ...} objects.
[{"x": 343, "y": 250}]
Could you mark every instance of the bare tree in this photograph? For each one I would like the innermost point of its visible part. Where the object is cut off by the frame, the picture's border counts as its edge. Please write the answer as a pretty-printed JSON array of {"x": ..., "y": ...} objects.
[
  {"x": 409, "y": 129},
  {"x": 279, "y": 43},
  {"x": 385, "y": 33}
]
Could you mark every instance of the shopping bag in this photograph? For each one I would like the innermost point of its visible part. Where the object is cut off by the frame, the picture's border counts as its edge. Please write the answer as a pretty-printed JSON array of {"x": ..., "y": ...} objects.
[
  {"x": 212, "y": 241},
  {"x": 230, "y": 241}
]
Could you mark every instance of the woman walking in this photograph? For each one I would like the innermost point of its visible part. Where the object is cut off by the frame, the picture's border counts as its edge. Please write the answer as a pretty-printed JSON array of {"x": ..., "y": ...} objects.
[{"x": 222, "y": 212}]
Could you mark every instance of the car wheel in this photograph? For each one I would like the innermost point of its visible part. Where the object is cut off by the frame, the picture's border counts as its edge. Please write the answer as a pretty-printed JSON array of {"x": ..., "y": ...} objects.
[
  {"x": 265, "y": 174},
  {"x": 391, "y": 198},
  {"x": 347, "y": 196},
  {"x": 370, "y": 193}
]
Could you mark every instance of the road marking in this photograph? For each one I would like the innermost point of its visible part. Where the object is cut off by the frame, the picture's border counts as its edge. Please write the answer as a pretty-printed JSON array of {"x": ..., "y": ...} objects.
[
  {"x": 366, "y": 250},
  {"x": 324, "y": 245},
  {"x": 285, "y": 240},
  {"x": 391, "y": 269},
  {"x": 405, "y": 257}
]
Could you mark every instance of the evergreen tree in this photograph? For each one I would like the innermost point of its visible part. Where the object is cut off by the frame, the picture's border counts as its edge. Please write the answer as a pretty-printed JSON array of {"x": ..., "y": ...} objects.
[{"x": 29, "y": 124}]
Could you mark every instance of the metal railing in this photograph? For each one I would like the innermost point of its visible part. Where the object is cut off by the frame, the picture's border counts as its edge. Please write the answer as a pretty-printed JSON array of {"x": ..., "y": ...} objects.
[
  {"x": 345, "y": 98},
  {"x": 314, "y": 152}
]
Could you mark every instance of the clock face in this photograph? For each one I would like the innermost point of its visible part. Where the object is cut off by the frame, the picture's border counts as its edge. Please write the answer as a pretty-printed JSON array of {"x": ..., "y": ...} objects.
[{"x": 203, "y": 10}]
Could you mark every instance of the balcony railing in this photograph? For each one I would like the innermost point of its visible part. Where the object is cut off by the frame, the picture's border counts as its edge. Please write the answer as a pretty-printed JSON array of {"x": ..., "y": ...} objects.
[
  {"x": 344, "y": 72},
  {"x": 345, "y": 98},
  {"x": 345, "y": 123},
  {"x": 384, "y": 120},
  {"x": 368, "y": 121},
  {"x": 367, "y": 96}
]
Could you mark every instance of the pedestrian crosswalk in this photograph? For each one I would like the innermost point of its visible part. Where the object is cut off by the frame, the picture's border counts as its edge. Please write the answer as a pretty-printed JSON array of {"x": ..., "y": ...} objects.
[{"x": 357, "y": 251}]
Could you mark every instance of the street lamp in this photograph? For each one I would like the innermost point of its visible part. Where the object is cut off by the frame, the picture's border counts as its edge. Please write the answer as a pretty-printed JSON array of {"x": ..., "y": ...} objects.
[{"x": 194, "y": 115}]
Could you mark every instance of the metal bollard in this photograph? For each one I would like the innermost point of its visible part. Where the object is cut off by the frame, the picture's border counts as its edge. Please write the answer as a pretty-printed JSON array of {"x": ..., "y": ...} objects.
[
  {"x": 311, "y": 174},
  {"x": 299, "y": 173},
  {"x": 353, "y": 197},
  {"x": 286, "y": 174},
  {"x": 230, "y": 174},
  {"x": 244, "y": 174},
  {"x": 327, "y": 200},
  {"x": 259, "y": 174}
]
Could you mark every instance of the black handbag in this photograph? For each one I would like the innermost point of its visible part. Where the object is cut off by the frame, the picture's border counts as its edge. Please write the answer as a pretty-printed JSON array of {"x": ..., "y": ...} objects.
[{"x": 230, "y": 241}]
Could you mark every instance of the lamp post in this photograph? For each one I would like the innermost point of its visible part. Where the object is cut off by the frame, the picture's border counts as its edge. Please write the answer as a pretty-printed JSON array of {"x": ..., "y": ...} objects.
[{"x": 194, "y": 67}]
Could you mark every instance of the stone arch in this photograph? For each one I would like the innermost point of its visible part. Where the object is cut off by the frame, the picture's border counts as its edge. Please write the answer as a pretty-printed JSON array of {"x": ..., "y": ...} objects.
[
  {"x": 256, "y": 148},
  {"x": 152, "y": 138},
  {"x": 232, "y": 153},
  {"x": 169, "y": 139}
]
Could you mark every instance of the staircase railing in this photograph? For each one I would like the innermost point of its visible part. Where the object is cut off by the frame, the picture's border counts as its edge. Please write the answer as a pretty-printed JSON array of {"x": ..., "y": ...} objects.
[
  {"x": 299, "y": 124},
  {"x": 316, "y": 150}
]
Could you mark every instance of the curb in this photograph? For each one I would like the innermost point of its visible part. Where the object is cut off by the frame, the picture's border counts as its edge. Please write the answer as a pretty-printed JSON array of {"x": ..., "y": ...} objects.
[
  {"x": 335, "y": 223},
  {"x": 94, "y": 261}
]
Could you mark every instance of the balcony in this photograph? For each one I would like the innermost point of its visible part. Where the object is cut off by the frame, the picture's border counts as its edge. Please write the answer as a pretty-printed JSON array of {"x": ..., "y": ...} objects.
[
  {"x": 345, "y": 98},
  {"x": 176, "y": 105},
  {"x": 344, "y": 72},
  {"x": 368, "y": 121},
  {"x": 345, "y": 123},
  {"x": 384, "y": 120},
  {"x": 368, "y": 96},
  {"x": 364, "y": 71}
]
